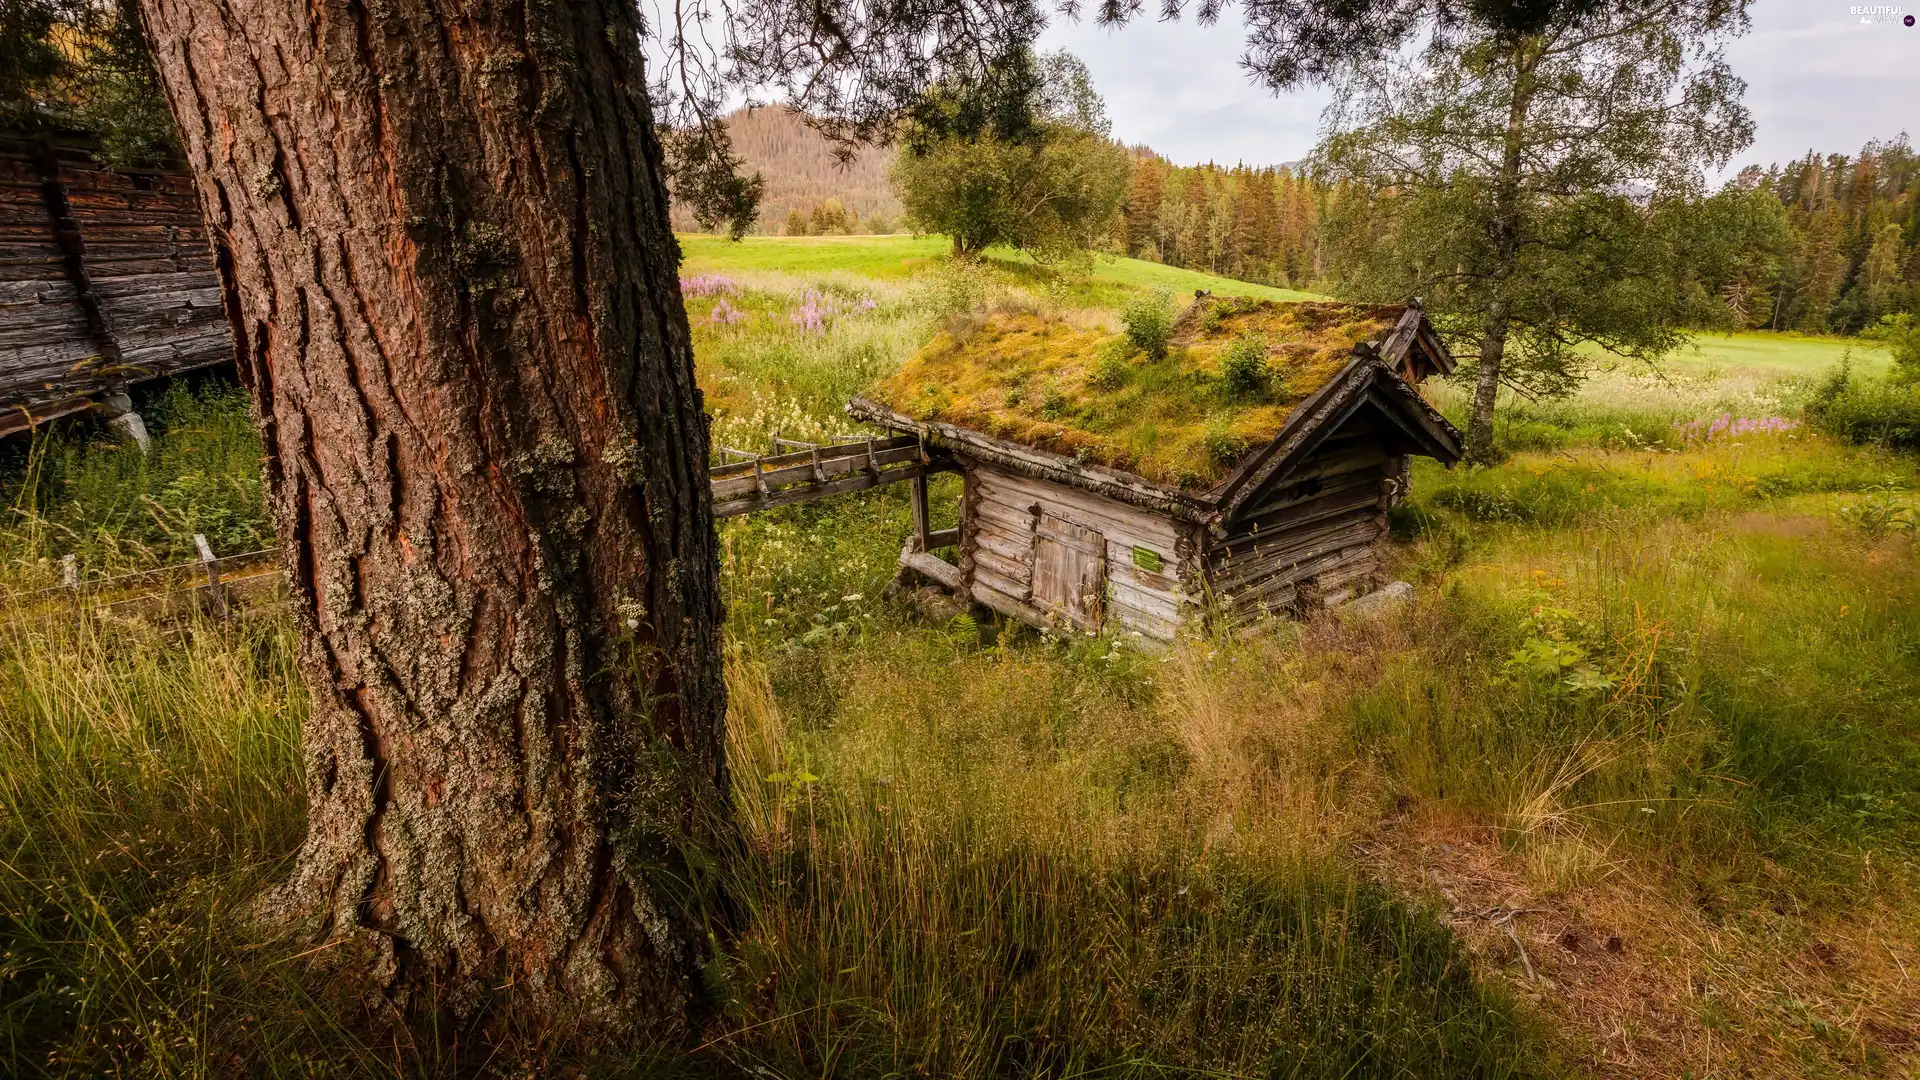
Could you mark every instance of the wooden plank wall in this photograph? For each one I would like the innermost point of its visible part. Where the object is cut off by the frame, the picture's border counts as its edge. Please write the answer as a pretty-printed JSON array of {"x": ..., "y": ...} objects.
[
  {"x": 1314, "y": 537},
  {"x": 145, "y": 262},
  {"x": 997, "y": 546},
  {"x": 43, "y": 331}
]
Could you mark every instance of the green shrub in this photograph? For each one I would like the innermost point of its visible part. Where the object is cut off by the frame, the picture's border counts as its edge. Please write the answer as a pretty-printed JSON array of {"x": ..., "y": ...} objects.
[
  {"x": 1224, "y": 445},
  {"x": 1901, "y": 332},
  {"x": 1149, "y": 323},
  {"x": 1111, "y": 370},
  {"x": 1880, "y": 411},
  {"x": 1054, "y": 405},
  {"x": 1243, "y": 367},
  {"x": 74, "y": 488}
]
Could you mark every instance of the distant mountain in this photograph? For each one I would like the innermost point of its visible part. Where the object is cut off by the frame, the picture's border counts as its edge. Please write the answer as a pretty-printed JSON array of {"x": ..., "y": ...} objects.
[{"x": 798, "y": 165}]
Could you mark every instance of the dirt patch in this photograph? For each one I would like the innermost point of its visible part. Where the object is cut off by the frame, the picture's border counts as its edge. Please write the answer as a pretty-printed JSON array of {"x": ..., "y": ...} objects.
[{"x": 1642, "y": 984}]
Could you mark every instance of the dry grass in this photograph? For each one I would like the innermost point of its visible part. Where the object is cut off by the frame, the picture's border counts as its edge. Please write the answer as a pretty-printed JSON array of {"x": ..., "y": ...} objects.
[
  {"x": 1649, "y": 984},
  {"x": 981, "y": 861}
]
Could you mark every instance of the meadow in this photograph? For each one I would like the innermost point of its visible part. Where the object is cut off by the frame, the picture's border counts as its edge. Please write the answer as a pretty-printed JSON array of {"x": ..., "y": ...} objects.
[{"x": 1632, "y": 788}]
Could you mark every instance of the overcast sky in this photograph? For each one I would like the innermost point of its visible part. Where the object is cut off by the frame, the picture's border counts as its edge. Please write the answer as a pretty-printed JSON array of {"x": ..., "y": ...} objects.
[{"x": 1816, "y": 78}]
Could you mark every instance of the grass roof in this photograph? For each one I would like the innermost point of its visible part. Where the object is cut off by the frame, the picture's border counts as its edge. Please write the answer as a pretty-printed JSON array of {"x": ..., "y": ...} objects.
[{"x": 1076, "y": 385}]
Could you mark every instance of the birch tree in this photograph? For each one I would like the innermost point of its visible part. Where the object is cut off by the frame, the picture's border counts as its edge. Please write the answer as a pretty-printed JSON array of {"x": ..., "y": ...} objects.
[{"x": 1505, "y": 178}]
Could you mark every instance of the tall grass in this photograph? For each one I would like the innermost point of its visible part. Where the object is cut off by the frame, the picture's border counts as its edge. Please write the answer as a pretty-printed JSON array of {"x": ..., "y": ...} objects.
[
  {"x": 1729, "y": 696},
  {"x": 964, "y": 857},
  {"x": 992, "y": 863},
  {"x": 965, "y": 860},
  {"x": 150, "y": 786},
  {"x": 766, "y": 375},
  {"x": 75, "y": 489},
  {"x": 1569, "y": 487}
]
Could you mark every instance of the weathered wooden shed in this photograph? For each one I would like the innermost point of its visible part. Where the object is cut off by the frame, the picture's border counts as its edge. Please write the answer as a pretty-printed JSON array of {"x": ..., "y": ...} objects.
[
  {"x": 1104, "y": 488},
  {"x": 106, "y": 279}
]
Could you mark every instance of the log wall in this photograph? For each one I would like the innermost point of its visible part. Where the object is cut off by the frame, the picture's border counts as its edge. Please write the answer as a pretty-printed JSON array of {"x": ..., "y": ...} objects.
[
  {"x": 998, "y": 543},
  {"x": 1314, "y": 537},
  {"x": 105, "y": 280}
]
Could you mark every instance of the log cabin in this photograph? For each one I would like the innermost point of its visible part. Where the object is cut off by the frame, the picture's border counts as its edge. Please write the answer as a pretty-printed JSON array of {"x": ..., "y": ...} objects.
[
  {"x": 1248, "y": 470},
  {"x": 106, "y": 279}
]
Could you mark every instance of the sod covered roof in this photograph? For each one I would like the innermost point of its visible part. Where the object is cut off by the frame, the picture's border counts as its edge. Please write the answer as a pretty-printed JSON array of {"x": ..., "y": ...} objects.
[{"x": 1065, "y": 385}]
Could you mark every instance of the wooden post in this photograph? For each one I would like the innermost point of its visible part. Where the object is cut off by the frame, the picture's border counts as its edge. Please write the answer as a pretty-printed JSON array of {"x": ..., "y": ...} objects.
[
  {"x": 922, "y": 532},
  {"x": 213, "y": 573}
]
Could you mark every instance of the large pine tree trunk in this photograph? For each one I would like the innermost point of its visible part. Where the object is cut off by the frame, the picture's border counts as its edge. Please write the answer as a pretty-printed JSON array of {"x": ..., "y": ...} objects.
[{"x": 443, "y": 236}]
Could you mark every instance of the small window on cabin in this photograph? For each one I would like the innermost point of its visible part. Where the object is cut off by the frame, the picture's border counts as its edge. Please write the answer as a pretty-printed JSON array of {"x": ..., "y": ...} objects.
[
  {"x": 1147, "y": 559},
  {"x": 142, "y": 182}
]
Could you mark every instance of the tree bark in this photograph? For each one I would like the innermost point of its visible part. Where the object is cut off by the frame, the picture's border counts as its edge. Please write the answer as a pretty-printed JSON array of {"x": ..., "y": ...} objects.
[
  {"x": 442, "y": 232},
  {"x": 1486, "y": 388},
  {"x": 1505, "y": 240}
]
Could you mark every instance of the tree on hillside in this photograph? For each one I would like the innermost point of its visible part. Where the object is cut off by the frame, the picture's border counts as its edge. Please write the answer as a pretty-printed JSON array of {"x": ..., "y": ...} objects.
[
  {"x": 801, "y": 167},
  {"x": 1146, "y": 191},
  {"x": 1733, "y": 243},
  {"x": 830, "y": 218},
  {"x": 1252, "y": 246},
  {"x": 1052, "y": 189},
  {"x": 1506, "y": 177},
  {"x": 1256, "y": 224}
]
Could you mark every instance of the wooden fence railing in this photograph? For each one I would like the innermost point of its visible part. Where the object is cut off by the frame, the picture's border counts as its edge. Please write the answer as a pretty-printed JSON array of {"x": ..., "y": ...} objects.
[
  {"x": 797, "y": 472},
  {"x": 749, "y": 482}
]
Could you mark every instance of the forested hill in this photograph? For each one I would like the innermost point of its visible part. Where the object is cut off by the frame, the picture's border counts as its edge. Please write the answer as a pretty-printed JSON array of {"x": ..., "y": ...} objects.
[
  {"x": 801, "y": 173},
  {"x": 1834, "y": 242},
  {"x": 1851, "y": 250}
]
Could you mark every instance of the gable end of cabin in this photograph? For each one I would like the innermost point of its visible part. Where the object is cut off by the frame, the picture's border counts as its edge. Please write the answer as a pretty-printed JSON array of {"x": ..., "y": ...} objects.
[
  {"x": 1313, "y": 536},
  {"x": 1308, "y": 530}
]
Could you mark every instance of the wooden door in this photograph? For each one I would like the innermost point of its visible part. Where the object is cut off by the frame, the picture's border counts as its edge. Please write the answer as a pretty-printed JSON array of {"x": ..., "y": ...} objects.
[{"x": 1069, "y": 571}]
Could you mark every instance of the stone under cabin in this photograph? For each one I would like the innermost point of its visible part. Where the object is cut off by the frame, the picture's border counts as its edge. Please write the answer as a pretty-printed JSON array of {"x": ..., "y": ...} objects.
[{"x": 1248, "y": 470}]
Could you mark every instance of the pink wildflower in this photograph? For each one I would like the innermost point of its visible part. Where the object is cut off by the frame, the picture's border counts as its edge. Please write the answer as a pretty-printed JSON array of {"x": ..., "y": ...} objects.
[
  {"x": 725, "y": 314},
  {"x": 817, "y": 309},
  {"x": 708, "y": 285}
]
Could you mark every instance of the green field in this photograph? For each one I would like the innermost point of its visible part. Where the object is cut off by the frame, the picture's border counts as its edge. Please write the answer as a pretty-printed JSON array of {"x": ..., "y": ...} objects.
[
  {"x": 1631, "y": 788},
  {"x": 900, "y": 257},
  {"x": 1782, "y": 354}
]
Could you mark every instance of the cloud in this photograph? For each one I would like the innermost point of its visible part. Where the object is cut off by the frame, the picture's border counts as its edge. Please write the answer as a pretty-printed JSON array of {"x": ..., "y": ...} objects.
[
  {"x": 1817, "y": 78},
  {"x": 1179, "y": 88}
]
